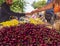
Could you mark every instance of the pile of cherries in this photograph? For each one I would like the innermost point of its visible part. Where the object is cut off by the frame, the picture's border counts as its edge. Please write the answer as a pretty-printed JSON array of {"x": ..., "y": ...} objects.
[{"x": 29, "y": 35}]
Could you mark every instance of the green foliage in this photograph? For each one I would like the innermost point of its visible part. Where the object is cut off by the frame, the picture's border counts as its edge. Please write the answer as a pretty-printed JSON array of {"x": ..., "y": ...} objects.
[
  {"x": 17, "y": 6},
  {"x": 1, "y": 1},
  {"x": 40, "y": 3}
]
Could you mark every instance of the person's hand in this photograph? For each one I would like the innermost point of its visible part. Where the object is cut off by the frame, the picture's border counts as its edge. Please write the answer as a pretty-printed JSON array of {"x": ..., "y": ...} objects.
[
  {"x": 28, "y": 13},
  {"x": 35, "y": 11}
]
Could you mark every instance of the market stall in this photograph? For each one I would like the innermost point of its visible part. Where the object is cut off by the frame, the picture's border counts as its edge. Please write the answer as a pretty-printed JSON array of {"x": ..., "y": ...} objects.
[
  {"x": 28, "y": 30},
  {"x": 31, "y": 33}
]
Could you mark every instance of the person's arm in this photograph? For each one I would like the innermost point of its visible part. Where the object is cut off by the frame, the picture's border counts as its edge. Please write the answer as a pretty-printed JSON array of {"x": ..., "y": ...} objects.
[
  {"x": 48, "y": 6},
  {"x": 19, "y": 14},
  {"x": 11, "y": 13}
]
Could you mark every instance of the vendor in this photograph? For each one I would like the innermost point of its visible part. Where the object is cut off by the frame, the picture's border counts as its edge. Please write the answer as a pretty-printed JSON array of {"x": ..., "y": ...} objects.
[
  {"x": 6, "y": 12},
  {"x": 55, "y": 4}
]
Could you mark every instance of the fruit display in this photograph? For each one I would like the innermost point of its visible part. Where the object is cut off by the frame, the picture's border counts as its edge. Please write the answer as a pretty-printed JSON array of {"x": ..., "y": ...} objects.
[
  {"x": 29, "y": 35},
  {"x": 36, "y": 21},
  {"x": 13, "y": 22}
]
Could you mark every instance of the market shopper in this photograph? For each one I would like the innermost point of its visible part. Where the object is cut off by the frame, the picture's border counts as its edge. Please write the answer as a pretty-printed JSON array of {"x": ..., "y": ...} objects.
[
  {"x": 49, "y": 14},
  {"x": 6, "y": 12},
  {"x": 55, "y": 4}
]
